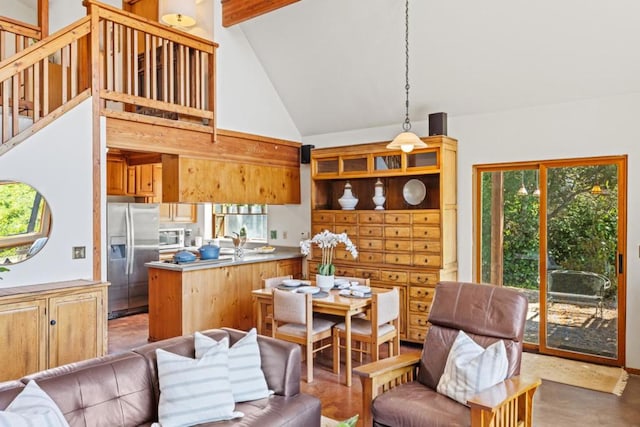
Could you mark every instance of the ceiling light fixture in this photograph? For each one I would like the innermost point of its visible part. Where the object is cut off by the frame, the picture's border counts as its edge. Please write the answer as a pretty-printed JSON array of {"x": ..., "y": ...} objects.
[
  {"x": 523, "y": 190},
  {"x": 536, "y": 192},
  {"x": 178, "y": 13},
  {"x": 406, "y": 141}
]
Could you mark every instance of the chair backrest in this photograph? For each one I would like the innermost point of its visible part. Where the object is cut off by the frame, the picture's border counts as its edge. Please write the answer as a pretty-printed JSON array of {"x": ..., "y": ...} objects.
[
  {"x": 272, "y": 282},
  {"x": 291, "y": 307},
  {"x": 388, "y": 305},
  {"x": 486, "y": 313}
]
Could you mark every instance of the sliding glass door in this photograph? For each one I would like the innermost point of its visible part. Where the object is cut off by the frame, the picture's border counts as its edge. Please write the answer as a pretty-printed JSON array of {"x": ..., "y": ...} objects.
[{"x": 554, "y": 230}]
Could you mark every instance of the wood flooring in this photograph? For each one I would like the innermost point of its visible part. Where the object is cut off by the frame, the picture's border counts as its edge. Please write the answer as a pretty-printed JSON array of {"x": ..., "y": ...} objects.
[{"x": 555, "y": 404}]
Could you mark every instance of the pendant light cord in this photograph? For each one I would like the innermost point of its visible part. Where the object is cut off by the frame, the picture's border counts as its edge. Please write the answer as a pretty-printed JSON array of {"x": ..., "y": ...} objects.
[{"x": 407, "y": 123}]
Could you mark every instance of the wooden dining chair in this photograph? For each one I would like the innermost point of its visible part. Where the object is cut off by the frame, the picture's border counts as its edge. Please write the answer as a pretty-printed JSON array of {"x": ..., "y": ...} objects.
[
  {"x": 368, "y": 335},
  {"x": 270, "y": 282},
  {"x": 293, "y": 321}
]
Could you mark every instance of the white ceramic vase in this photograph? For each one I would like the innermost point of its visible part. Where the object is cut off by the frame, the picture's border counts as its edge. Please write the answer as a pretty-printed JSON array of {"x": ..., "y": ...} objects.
[
  {"x": 378, "y": 196},
  {"x": 325, "y": 283},
  {"x": 348, "y": 201}
]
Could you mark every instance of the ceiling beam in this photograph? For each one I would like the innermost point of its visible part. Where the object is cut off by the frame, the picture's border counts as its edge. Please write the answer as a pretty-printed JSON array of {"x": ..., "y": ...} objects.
[{"x": 237, "y": 11}]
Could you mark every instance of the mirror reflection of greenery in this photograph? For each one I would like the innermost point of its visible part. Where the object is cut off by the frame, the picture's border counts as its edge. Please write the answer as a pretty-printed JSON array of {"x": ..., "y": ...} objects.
[{"x": 22, "y": 220}]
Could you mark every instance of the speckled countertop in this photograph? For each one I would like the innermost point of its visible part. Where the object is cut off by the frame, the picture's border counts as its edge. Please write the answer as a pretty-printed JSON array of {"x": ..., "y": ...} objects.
[{"x": 250, "y": 257}]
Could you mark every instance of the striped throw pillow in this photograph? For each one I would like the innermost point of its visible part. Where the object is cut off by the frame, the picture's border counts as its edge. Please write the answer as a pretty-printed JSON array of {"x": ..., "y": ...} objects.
[
  {"x": 470, "y": 368},
  {"x": 245, "y": 372},
  {"x": 32, "y": 407},
  {"x": 194, "y": 391}
]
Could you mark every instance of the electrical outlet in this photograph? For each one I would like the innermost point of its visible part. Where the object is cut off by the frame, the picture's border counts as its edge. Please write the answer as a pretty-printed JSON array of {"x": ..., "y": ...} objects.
[
  {"x": 285, "y": 234},
  {"x": 304, "y": 235},
  {"x": 273, "y": 234},
  {"x": 78, "y": 252}
]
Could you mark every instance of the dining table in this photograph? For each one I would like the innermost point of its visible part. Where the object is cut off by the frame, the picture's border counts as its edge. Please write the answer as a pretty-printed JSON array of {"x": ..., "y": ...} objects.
[{"x": 327, "y": 302}]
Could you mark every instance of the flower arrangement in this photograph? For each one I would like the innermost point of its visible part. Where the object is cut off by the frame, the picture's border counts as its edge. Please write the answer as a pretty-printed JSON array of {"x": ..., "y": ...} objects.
[{"x": 327, "y": 242}]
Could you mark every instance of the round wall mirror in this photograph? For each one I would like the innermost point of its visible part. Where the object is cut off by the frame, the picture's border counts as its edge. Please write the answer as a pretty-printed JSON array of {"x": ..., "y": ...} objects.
[{"x": 25, "y": 222}]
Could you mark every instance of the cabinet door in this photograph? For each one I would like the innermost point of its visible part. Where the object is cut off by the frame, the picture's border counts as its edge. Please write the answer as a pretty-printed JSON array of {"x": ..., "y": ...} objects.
[
  {"x": 291, "y": 267},
  {"x": 166, "y": 212},
  {"x": 116, "y": 176},
  {"x": 144, "y": 180},
  {"x": 76, "y": 327},
  {"x": 185, "y": 212},
  {"x": 131, "y": 180},
  {"x": 23, "y": 333}
]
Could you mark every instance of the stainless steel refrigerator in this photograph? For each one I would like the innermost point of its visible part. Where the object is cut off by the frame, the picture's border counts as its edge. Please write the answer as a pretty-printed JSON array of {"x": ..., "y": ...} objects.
[{"x": 132, "y": 241}]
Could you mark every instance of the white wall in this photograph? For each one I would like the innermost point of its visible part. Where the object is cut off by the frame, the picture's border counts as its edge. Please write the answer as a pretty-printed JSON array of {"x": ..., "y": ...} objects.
[
  {"x": 57, "y": 162},
  {"x": 596, "y": 127}
]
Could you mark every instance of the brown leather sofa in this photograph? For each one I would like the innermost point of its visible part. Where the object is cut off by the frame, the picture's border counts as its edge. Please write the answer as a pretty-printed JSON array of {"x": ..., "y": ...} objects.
[{"x": 123, "y": 390}]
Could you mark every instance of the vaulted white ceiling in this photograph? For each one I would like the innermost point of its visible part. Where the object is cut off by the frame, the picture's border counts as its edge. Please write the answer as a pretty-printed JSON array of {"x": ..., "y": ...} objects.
[{"x": 339, "y": 64}]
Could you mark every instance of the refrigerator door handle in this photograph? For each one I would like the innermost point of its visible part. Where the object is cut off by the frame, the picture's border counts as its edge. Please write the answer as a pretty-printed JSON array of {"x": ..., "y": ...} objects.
[{"x": 129, "y": 222}]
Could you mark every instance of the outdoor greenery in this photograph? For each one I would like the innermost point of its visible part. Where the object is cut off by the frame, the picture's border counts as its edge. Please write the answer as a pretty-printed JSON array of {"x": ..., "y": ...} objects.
[
  {"x": 21, "y": 209},
  {"x": 582, "y": 232}
]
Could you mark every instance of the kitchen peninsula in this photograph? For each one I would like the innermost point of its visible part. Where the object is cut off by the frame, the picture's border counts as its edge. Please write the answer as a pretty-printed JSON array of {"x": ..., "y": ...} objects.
[{"x": 184, "y": 298}]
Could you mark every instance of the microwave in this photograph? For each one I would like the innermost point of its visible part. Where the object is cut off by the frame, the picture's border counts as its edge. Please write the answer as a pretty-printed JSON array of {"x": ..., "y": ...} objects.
[{"x": 171, "y": 238}]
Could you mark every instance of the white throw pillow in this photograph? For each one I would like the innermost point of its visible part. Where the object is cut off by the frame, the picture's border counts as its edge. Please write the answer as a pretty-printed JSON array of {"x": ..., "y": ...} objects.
[
  {"x": 470, "y": 368},
  {"x": 194, "y": 391},
  {"x": 32, "y": 407},
  {"x": 245, "y": 372}
]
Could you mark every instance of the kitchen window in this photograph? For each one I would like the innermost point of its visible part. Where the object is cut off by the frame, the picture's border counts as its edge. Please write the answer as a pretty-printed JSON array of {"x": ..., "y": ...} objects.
[{"x": 229, "y": 218}]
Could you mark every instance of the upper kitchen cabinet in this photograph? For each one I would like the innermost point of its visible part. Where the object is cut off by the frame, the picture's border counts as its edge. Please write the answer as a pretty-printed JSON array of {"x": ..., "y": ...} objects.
[
  {"x": 178, "y": 212},
  {"x": 246, "y": 169},
  {"x": 116, "y": 176}
]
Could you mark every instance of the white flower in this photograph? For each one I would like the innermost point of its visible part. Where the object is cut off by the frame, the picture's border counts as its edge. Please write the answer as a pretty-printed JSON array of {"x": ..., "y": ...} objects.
[{"x": 327, "y": 241}]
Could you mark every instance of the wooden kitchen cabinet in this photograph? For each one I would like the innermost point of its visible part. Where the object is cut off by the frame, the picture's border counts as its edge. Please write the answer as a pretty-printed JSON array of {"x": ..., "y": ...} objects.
[
  {"x": 182, "y": 302},
  {"x": 116, "y": 176},
  {"x": 178, "y": 212},
  {"x": 49, "y": 325},
  {"x": 408, "y": 245}
]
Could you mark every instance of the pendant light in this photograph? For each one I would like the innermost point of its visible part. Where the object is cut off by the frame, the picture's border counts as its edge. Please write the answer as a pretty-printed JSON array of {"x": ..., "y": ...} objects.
[
  {"x": 523, "y": 190},
  {"x": 407, "y": 140},
  {"x": 536, "y": 192},
  {"x": 178, "y": 13}
]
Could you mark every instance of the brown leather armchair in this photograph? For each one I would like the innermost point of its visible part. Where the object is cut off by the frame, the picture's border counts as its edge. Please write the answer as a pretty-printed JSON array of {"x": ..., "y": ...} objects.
[{"x": 401, "y": 390}]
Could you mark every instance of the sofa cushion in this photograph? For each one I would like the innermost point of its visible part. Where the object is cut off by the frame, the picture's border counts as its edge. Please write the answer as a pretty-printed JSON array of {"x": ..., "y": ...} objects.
[
  {"x": 428, "y": 408},
  {"x": 114, "y": 390},
  {"x": 195, "y": 391},
  {"x": 8, "y": 391},
  {"x": 247, "y": 379},
  {"x": 183, "y": 346},
  {"x": 471, "y": 368},
  {"x": 32, "y": 407}
]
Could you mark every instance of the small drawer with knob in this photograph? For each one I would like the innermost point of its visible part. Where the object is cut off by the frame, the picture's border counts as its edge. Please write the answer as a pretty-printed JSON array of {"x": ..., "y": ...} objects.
[
  {"x": 393, "y": 231},
  {"x": 322, "y": 216},
  {"x": 370, "y": 218},
  {"x": 426, "y": 246},
  {"x": 417, "y": 335},
  {"x": 369, "y": 231},
  {"x": 428, "y": 217},
  {"x": 368, "y": 273},
  {"x": 351, "y": 230},
  {"x": 423, "y": 232},
  {"x": 418, "y": 320},
  {"x": 393, "y": 276},
  {"x": 397, "y": 258},
  {"x": 397, "y": 218},
  {"x": 346, "y": 218},
  {"x": 423, "y": 278},
  {"x": 422, "y": 293},
  {"x": 370, "y": 257},
  {"x": 419, "y": 306},
  {"x": 370, "y": 244},
  {"x": 397, "y": 245},
  {"x": 426, "y": 260}
]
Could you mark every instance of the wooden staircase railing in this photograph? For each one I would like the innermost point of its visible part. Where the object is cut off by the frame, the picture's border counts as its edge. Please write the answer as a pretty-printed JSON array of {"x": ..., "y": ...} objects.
[
  {"x": 142, "y": 71},
  {"x": 34, "y": 87}
]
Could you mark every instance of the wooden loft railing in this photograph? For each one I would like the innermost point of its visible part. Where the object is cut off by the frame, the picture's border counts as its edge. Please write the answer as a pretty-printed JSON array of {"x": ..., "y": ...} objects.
[
  {"x": 146, "y": 72},
  {"x": 149, "y": 69},
  {"x": 34, "y": 88}
]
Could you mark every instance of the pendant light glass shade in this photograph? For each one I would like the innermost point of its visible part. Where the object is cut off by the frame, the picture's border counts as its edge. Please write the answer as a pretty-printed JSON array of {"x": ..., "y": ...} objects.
[
  {"x": 406, "y": 141},
  {"x": 178, "y": 13}
]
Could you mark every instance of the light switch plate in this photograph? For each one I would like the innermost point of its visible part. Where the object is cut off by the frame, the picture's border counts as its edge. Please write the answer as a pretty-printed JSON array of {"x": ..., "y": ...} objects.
[{"x": 78, "y": 252}]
